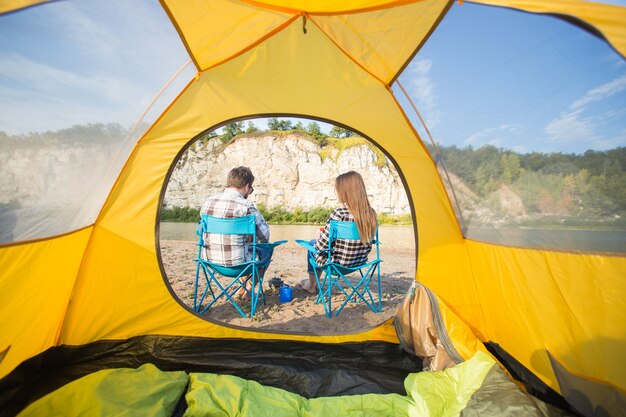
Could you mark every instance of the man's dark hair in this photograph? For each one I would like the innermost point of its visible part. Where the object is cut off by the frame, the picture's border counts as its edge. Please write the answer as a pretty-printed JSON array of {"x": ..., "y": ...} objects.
[{"x": 239, "y": 177}]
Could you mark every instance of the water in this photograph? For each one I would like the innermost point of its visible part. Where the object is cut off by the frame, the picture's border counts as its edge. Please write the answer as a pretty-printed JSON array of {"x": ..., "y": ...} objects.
[
  {"x": 403, "y": 237},
  {"x": 602, "y": 241},
  {"x": 389, "y": 236}
]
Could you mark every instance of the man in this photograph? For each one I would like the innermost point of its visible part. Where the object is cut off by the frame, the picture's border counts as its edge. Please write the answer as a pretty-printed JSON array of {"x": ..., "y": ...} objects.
[{"x": 228, "y": 250}]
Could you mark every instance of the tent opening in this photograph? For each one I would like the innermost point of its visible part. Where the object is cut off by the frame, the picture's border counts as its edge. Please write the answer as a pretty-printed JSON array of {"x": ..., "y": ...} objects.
[{"x": 295, "y": 162}]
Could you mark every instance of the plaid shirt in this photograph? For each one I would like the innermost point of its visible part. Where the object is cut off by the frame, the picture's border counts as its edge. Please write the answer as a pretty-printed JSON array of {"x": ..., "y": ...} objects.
[
  {"x": 345, "y": 252},
  {"x": 228, "y": 250}
]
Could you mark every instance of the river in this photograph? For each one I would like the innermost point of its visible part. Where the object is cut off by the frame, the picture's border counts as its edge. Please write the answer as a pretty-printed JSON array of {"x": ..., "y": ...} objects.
[
  {"x": 403, "y": 236},
  {"x": 390, "y": 236}
]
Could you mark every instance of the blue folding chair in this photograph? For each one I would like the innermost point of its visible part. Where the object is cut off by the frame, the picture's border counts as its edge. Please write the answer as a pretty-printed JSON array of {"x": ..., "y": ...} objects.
[
  {"x": 333, "y": 275},
  {"x": 224, "y": 281}
]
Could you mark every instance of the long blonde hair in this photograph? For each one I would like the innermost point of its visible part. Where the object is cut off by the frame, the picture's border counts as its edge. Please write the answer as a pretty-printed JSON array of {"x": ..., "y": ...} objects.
[{"x": 351, "y": 192}]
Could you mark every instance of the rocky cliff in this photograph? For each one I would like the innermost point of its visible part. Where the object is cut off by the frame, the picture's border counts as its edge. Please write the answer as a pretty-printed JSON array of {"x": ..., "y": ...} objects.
[{"x": 290, "y": 170}]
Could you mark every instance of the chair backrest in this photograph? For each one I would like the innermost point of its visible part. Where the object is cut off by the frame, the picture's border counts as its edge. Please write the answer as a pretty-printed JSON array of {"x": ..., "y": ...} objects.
[
  {"x": 346, "y": 230},
  {"x": 245, "y": 225},
  {"x": 349, "y": 231}
]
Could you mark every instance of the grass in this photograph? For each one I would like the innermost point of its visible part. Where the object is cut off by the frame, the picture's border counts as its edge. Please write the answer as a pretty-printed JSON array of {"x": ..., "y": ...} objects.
[{"x": 282, "y": 215}]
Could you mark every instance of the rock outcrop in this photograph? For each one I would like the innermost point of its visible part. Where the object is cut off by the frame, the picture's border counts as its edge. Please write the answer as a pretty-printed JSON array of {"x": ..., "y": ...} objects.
[{"x": 290, "y": 170}]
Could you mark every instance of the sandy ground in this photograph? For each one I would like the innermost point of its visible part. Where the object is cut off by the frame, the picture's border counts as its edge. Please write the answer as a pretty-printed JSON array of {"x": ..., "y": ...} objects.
[{"x": 301, "y": 314}]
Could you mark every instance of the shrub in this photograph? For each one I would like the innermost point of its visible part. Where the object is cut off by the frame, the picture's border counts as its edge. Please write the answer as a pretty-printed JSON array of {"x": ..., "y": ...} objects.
[{"x": 180, "y": 214}]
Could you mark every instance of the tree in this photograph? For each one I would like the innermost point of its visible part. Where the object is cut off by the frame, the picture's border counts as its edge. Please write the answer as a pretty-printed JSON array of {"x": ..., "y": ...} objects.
[
  {"x": 275, "y": 124},
  {"x": 340, "y": 132},
  {"x": 510, "y": 167},
  {"x": 251, "y": 127},
  {"x": 299, "y": 126},
  {"x": 231, "y": 130},
  {"x": 315, "y": 131}
]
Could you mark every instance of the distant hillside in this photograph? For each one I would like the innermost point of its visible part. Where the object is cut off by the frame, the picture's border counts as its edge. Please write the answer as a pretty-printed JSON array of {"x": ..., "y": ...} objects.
[
  {"x": 536, "y": 186},
  {"x": 296, "y": 170}
]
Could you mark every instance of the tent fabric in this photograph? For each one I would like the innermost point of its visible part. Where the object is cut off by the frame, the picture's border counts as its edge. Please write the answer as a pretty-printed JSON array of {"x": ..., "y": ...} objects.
[
  {"x": 36, "y": 287},
  {"x": 11, "y": 5},
  {"x": 568, "y": 315},
  {"x": 354, "y": 33},
  {"x": 589, "y": 397},
  {"x": 104, "y": 282},
  {"x": 500, "y": 396},
  {"x": 145, "y": 391},
  {"x": 381, "y": 48}
]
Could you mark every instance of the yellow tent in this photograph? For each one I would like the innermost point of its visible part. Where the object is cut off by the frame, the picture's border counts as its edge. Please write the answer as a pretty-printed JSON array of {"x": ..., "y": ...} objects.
[{"x": 100, "y": 287}]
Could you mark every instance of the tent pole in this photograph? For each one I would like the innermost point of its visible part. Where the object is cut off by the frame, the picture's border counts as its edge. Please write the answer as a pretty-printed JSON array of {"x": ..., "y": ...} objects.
[{"x": 438, "y": 159}]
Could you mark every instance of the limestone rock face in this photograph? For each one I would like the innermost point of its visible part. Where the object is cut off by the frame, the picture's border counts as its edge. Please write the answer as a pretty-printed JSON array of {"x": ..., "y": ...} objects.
[{"x": 289, "y": 171}]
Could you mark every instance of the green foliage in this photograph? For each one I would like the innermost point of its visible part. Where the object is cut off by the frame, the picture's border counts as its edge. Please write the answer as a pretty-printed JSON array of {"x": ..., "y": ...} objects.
[
  {"x": 276, "y": 124},
  {"x": 343, "y": 144},
  {"x": 591, "y": 185},
  {"x": 299, "y": 127},
  {"x": 77, "y": 135},
  {"x": 251, "y": 127},
  {"x": 340, "y": 132},
  {"x": 207, "y": 136},
  {"x": 395, "y": 219},
  {"x": 231, "y": 130},
  {"x": 347, "y": 143},
  {"x": 319, "y": 215},
  {"x": 280, "y": 215},
  {"x": 180, "y": 214},
  {"x": 313, "y": 129}
]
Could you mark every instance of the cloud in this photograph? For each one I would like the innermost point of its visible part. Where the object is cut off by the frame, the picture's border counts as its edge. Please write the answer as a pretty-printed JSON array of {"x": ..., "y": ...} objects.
[
  {"x": 421, "y": 85},
  {"x": 109, "y": 61},
  {"x": 422, "y": 89},
  {"x": 84, "y": 31},
  {"x": 38, "y": 97},
  {"x": 580, "y": 125},
  {"x": 496, "y": 136},
  {"x": 47, "y": 79},
  {"x": 570, "y": 127},
  {"x": 581, "y": 132},
  {"x": 128, "y": 33},
  {"x": 600, "y": 93}
]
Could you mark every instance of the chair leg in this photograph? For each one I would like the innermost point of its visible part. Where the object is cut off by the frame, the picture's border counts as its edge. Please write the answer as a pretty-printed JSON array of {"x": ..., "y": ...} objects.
[
  {"x": 324, "y": 290},
  {"x": 228, "y": 292},
  {"x": 207, "y": 287},
  {"x": 364, "y": 282},
  {"x": 195, "y": 287}
]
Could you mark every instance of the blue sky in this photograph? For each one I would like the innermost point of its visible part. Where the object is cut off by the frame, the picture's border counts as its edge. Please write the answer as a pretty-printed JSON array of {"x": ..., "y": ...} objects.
[
  {"x": 106, "y": 60},
  {"x": 486, "y": 76},
  {"x": 518, "y": 81}
]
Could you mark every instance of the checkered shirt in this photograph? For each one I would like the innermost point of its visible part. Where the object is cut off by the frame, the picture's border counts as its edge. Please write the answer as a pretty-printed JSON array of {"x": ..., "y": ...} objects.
[
  {"x": 345, "y": 252},
  {"x": 229, "y": 250}
]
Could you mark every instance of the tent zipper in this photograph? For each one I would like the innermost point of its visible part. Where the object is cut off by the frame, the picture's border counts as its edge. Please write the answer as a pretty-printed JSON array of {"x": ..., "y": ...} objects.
[{"x": 441, "y": 329}]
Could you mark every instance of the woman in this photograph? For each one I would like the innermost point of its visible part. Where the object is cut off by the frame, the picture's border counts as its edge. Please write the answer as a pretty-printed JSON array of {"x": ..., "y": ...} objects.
[{"x": 351, "y": 192}]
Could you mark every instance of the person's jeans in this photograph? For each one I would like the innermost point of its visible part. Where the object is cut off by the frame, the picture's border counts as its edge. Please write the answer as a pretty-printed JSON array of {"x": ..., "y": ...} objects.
[{"x": 265, "y": 256}]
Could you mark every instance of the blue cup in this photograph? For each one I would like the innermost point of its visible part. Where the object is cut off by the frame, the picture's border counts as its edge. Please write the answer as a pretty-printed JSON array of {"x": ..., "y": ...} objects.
[{"x": 285, "y": 294}]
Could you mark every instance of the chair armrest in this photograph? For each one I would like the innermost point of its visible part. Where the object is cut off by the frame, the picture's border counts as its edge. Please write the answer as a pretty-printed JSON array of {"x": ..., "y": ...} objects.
[
  {"x": 306, "y": 245},
  {"x": 270, "y": 245}
]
